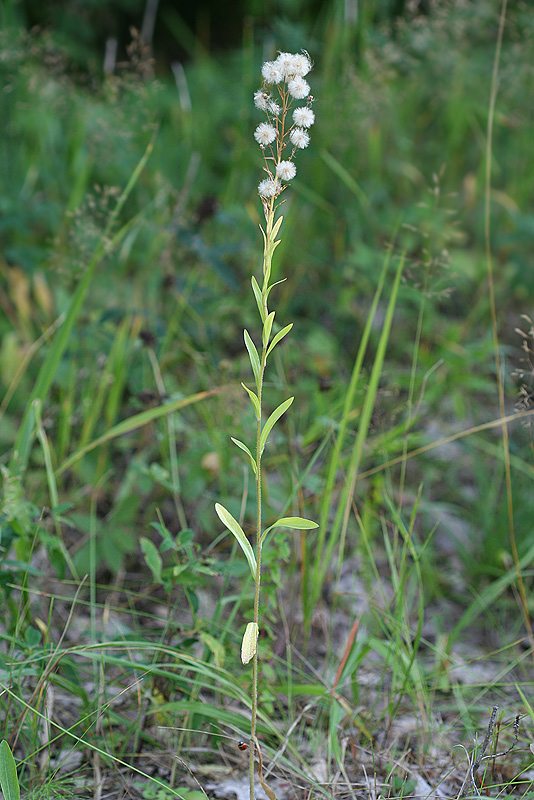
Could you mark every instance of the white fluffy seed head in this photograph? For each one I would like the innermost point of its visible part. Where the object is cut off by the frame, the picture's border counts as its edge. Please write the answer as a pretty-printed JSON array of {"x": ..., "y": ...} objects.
[
  {"x": 261, "y": 100},
  {"x": 271, "y": 72},
  {"x": 286, "y": 170},
  {"x": 299, "y": 137},
  {"x": 265, "y": 134},
  {"x": 303, "y": 117},
  {"x": 298, "y": 88},
  {"x": 302, "y": 64},
  {"x": 286, "y": 64},
  {"x": 268, "y": 188}
]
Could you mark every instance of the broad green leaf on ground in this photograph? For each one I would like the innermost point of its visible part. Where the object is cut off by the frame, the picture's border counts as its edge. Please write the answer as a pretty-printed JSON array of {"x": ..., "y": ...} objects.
[{"x": 152, "y": 558}]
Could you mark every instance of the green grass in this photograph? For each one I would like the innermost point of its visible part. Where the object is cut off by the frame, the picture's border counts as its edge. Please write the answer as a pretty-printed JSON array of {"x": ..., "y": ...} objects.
[{"x": 129, "y": 232}]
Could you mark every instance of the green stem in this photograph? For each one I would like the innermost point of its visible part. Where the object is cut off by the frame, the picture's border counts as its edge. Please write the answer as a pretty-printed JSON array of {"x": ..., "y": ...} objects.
[{"x": 266, "y": 270}]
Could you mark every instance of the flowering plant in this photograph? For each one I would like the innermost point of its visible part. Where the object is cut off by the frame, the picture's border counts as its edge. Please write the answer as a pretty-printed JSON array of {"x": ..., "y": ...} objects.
[{"x": 279, "y": 138}]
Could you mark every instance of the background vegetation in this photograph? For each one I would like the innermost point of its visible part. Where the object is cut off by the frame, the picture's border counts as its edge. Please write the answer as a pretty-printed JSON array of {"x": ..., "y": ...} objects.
[{"x": 129, "y": 232}]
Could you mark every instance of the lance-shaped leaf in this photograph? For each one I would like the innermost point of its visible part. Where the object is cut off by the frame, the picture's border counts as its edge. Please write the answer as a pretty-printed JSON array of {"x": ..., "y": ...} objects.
[
  {"x": 253, "y": 354},
  {"x": 235, "y": 528},
  {"x": 279, "y": 336},
  {"x": 297, "y": 523},
  {"x": 254, "y": 400},
  {"x": 245, "y": 449},
  {"x": 257, "y": 294},
  {"x": 273, "y": 419},
  {"x": 268, "y": 288},
  {"x": 267, "y": 327},
  {"x": 276, "y": 227}
]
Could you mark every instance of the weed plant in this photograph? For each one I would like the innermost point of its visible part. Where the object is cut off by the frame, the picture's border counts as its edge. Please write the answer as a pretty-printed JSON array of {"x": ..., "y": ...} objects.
[{"x": 285, "y": 131}]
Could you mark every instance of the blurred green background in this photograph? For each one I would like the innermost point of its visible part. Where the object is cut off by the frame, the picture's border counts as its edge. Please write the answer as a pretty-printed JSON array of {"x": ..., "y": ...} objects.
[{"x": 396, "y": 164}]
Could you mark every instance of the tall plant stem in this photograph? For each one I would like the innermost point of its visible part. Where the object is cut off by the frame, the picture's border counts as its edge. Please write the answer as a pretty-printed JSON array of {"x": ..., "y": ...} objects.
[{"x": 267, "y": 255}]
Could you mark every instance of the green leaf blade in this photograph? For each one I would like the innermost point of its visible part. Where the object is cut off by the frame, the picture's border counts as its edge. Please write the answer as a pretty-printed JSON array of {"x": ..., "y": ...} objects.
[
  {"x": 152, "y": 558},
  {"x": 257, "y": 294},
  {"x": 245, "y": 449},
  {"x": 253, "y": 355},
  {"x": 9, "y": 781},
  {"x": 279, "y": 336},
  {"x": 254, "y": 399},
  {"x": 267, "y": 328},
  {"x": 273, "y": 419},
  {"x": 234, "y": 527},
  {"x": 296, "y": 523}
]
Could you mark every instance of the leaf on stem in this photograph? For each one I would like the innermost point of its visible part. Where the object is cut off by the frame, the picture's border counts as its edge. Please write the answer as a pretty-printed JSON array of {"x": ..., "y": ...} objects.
[
  {"x": 267, "y": 289},
  {"x": 276, "y": 227},
  {"x": 235, "y": 528},
  {"x": 279, "y": 336},
  {"x": 247, "y": 451},
  {"x": 267, "y": 328},
  {"x": 254, "y": 400},
  {"x": 273, "y": 419},
  {"x": 257, "y": 294},
  {"x": 249, "y": 645},
  {"x": 253, "y": 355},
  {"x": 297, "y": 523}
]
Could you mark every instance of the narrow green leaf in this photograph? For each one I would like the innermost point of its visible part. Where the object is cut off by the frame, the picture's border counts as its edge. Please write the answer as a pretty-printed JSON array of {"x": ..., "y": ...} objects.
[
  {"x": 235, "y": 528},
  {"x": 268, "y": 288},
  {"x": 152, "y": 558},
  {"x": 267, "y": 327},
  {"x": 137, "y": 421},
  {"x": 254, "y": 400},
  {"x": 337, "y": 531},
  {"x": 279, "y": 336},
  {"x": 276, "y": 227},
  {"x": 253, "y": 355},
  {"x": 273, "y": 247},
  {"x": 273, "y": 419},
  {"x": 297, "y": 523},
  {"x": 257, "y": 294},
  {"x": 247, "y": 451},
  {"x": 9, "y": 782}
]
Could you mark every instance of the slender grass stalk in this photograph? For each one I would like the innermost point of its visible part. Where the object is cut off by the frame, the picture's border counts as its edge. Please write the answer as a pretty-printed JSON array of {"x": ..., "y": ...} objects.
[
  {"x": 287, "y": 74},
  {"x": 494, "y": 328}
]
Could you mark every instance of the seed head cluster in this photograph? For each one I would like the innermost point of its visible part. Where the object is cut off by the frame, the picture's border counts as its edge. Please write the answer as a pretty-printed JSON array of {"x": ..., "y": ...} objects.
[{"x": 280, "y": 129}]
